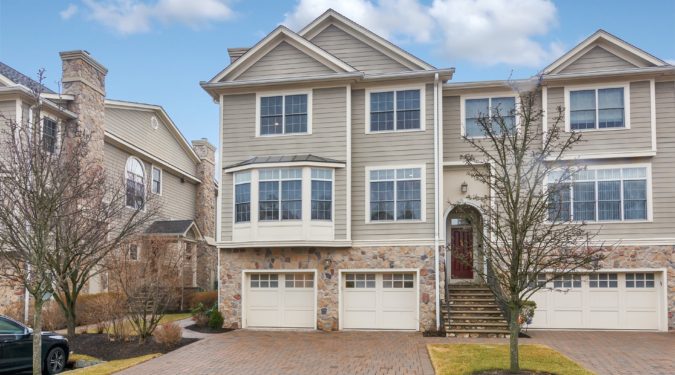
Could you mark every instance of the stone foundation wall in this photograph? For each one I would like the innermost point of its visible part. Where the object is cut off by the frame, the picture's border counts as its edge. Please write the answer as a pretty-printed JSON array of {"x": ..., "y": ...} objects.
[
  {"x": 647, "y": 257},
  {"x": 327, "y": 262}
]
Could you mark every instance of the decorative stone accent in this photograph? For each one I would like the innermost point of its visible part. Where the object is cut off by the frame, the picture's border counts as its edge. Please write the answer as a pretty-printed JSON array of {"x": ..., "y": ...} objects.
[
  {"x": 205, "y": 214},
  {"x": 327, "y": 262}
]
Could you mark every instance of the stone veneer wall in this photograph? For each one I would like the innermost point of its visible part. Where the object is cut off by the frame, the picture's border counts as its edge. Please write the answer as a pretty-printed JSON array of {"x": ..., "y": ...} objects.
[
  {"x": 327, "y": 262},
  {"x": 647, "y": 257}
]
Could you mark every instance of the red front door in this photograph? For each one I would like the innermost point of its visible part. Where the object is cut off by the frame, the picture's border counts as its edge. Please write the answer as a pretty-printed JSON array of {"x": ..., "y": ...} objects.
[{"x": 462, "y": 253}]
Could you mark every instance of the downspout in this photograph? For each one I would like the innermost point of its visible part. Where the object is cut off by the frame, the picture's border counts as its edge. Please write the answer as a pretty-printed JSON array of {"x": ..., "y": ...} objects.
[{"x": 436, "y": 203}]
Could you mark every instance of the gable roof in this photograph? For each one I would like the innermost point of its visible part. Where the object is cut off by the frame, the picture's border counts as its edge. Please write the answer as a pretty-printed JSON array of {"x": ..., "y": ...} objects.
[
  {"x": 273, "y": 39},
  {"x": 613, "y": 44},
  {"x": 173, "y": 228},
  {"x": 166, "y": 119},
  {"x": 282, "y": 159},
  {"x": 331, "y": 17},
  {"x": 14, "y": 76}
]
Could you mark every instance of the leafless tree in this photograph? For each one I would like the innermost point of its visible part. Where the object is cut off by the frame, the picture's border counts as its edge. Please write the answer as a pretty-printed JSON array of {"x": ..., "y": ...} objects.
[
  {"x": 528, "y": 237},
  {"x": 34, "y": 186},
  {"x": 149, "y": 279}
]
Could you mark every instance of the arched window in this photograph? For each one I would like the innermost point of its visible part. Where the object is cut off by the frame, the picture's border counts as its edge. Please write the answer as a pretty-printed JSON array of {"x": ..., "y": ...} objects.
[{"x": 135, "y": 177}]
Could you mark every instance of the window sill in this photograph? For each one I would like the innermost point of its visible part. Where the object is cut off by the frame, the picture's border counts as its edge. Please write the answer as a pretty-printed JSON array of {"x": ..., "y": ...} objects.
[
  {"x": 395, "y": 221},
  {"x": 607, "y": 222},
  {"x": 282, "y": 135},
  {"x": 395, "y": 131},
  {"x": 570, "y": 130}
]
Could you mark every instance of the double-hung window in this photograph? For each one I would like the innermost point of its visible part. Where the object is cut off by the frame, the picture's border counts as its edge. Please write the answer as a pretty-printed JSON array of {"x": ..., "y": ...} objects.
[
  {"x": 242, "y": 197},
  {"x": 597, "y": 109},
  {"x": 50, "y": 132},
  {"x": 608, "y": 194},
  {"x": 156, "y": 180},
  {"x": 395, "y": 110},
  {"x": 280, "y": 194},
  {"x": 396, "y": 194},
  {"x": 322, "y": 194},
  {"x": 490, "y": 109},
  {"x": 135, "y": 183},
  {"x": 284, "y": 114}
]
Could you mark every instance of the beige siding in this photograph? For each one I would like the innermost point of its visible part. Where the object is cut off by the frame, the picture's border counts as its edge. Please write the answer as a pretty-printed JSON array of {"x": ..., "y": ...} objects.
[
  {"x": 596, "y": 59},
  {"x": 663, "y": 177},
  {"x": 328, "y": 139},
  {"x": 390, "y": 149},
  {"x": 8, "y": 109},
  {"x": 134, "y": 126},
  {"x": 356, "y": 53},
  {"x": 637, "y": 138},
  {"x": 453, "y": 144},
  {"x": 178, "y": 199},
  {"x": 284, "y": 61}
]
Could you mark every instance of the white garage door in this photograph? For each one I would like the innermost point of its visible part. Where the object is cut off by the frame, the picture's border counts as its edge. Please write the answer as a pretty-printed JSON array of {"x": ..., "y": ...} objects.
[
  {"x": 284, "y": 300},
  {"x": 600, "y": 301},
  {"x": 379, "y": 301}
]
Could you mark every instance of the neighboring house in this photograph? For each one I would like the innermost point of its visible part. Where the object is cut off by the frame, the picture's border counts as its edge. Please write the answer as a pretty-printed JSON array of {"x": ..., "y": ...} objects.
[
  {"x": 342, "y": 174},
  {"x": 139, "y": 144}
]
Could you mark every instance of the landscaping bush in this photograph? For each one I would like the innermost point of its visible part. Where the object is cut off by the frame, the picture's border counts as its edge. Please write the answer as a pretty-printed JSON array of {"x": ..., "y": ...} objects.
[
  {"x": 216, "y": 319},
  {"x": 52, "y": 315},
  {"x": 168, "y": 335},
  {"x": 205, "y": 298},
  {"x": 200, "y": 315}
]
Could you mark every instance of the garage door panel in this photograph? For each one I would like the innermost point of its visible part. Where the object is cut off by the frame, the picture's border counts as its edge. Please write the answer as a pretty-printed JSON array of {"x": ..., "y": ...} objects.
[
  {"x": 279, "y": 300},
  {"x": 601, "y": 301},
  {"x": 604, "y": 300},
  {"x": 372, "y": 300}
]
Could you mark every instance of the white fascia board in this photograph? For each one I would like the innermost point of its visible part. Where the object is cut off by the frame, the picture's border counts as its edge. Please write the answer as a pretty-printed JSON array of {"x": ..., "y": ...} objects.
[
  {"x": 259, "y": 244},
  {"x": 25, "y": 91},
  {"x": 165, "y": 116},
  {"x": 372, "y": 39},
  {"x": 602, "y": 34},
  {"x": 289, "y": 35}
]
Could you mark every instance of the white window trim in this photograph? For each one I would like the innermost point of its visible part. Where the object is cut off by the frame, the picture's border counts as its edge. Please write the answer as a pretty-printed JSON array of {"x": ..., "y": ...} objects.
[
  {"x": 648, "y": 178},
  {"x": 138, "y": 251},
  {"x": 422, "y": 89},
  {"x": 161, "y": 179},
  {"x": 145, "y": 183},
  {"x": 306, "y": 199},
  {"x": 423, "y": 192},
  {"x": 260, "y": 95},
  {"x": 46, "y": 115},
  {"x": 332, "y": 197},
  {"x": 490, "y": 96},
  {"x": 280, "y": 180},
  {"x": 250, "y": 199},
  {"x": 626, "y": 104}
]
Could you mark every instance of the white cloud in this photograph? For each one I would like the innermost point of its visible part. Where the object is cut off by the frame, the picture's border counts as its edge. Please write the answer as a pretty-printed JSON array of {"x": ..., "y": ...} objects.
[
  {"x": 481, "y": 31},
  {"x": 70, "y": 11},
  {"x": 135, "y": 16}
]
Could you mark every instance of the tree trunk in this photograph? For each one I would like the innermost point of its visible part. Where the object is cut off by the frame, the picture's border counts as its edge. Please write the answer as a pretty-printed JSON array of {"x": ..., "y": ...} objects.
[
  {"x": 513, "y": 338},
  {"x": 70, "y": 323},
  {"x": 37, "y": 336}
]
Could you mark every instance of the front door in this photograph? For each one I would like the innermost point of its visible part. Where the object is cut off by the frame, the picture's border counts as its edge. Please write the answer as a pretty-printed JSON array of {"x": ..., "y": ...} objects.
[{"x": 462, "y": 253}]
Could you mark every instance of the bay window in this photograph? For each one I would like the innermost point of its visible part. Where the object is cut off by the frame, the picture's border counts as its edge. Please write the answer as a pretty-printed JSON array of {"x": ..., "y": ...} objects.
[
  {"x": 322, "y": 194},
  {"x": 395, "y": 194},
  {"x": 280, "y": 194},
  {"x": 242, "y": 197},
  {"x": 600, "y": 108},
  {"x": 606, "y": 194}
]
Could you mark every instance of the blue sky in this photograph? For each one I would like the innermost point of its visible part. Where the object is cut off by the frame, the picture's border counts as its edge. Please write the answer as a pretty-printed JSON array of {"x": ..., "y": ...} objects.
[{"x": 157, "y": 51}]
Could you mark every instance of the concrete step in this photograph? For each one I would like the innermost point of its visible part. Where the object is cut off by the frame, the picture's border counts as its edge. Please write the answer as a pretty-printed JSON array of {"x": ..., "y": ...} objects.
[
  {"x": 457, "y": 325},
  {"x": 476, "y": 318},
  {"x": 498, "y": 333}
]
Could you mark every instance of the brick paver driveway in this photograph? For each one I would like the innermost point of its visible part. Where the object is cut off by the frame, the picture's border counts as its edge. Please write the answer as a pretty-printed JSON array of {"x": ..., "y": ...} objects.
[{"x": 257, "y": 352}]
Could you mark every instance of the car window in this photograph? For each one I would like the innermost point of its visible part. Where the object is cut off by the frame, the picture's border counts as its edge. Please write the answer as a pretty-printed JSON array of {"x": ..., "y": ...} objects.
[{"x": 10, "y": 328}]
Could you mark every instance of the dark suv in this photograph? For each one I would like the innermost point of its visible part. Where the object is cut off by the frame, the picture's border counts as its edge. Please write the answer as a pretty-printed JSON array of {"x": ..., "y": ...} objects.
[{"x": 16, "y": 348}]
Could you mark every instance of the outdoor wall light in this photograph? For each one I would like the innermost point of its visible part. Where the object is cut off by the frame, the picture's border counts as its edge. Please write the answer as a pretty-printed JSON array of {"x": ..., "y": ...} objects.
[{"x": 464, "y": 187}]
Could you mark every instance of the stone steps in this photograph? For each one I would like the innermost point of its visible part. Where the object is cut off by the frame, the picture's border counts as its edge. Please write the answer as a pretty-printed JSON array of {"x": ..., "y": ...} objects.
[{"x": 473, "y": 311}]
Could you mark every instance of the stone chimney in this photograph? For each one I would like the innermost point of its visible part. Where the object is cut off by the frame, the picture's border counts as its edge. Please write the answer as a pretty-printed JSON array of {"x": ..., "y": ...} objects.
[
  {"x": 235, "y": 53},
  {"x": 84, "y": 78},
  {"x": 205, "y": 215}
]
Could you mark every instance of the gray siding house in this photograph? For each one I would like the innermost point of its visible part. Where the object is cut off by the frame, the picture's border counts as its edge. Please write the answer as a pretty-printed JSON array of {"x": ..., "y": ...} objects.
[
  {"x": 341, "y": 181},
  {"x": 132, "y": 141}
]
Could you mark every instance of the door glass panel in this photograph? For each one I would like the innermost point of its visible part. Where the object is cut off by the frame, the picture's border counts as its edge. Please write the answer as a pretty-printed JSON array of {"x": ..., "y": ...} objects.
[
  {"x": 264, "y": 280},
  {"x": 299, "y": 280},
  {"x": 398, "y": 280},
  {"x": 360, "y": 280}
]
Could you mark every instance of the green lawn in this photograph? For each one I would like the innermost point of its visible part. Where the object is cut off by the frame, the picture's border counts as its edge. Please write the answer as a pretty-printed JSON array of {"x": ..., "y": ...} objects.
[
  {"x": 461, "y": 359},
  {"x": 106, "y": 368}
]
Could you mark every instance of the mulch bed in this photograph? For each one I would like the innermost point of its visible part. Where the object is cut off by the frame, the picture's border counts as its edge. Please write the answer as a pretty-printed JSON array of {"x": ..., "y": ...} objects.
[
  {"x": 196, "y": 328},
  {"x": 98, "y": 345}
]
